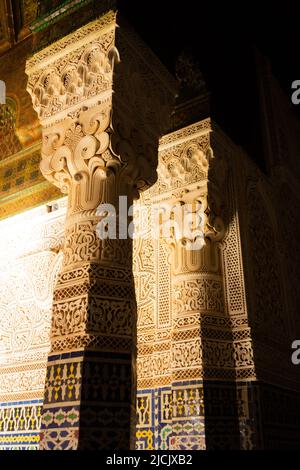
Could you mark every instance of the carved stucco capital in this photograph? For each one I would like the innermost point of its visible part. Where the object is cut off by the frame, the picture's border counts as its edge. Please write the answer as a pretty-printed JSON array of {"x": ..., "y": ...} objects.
[
  {"x": 193, "y": 179},
  {"x": 103, "y": 101}
]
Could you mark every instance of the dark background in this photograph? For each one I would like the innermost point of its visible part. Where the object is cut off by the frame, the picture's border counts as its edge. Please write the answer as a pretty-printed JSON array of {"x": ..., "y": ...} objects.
[{"x": 223, "y": 36}]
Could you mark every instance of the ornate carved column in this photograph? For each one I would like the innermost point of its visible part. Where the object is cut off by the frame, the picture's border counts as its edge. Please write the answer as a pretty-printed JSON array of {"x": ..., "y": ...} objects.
[
  {"x": 195, "y": 353},
  {"x": 196, "y": 283},
  {"x": 103, "y": 101},
  {"x": 183, "y": 264}
]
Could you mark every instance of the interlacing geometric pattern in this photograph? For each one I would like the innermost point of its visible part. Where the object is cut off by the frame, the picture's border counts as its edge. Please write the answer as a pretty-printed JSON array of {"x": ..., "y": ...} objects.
[
  {"x": 78, "y": 390},
  {"x": 20, "y": 424},
  {"x": 164, "y": 418}
]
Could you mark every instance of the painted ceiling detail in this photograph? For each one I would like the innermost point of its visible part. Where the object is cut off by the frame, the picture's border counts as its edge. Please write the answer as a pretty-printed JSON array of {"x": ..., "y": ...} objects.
[
  {"x": 21, "y": 183},
  {"x": 15, "y": 18},
  {"x": 9, "y": 142}
]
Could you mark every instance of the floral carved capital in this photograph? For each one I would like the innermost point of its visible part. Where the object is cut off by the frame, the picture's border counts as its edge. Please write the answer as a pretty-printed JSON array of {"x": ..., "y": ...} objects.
[{"x": 103, "y": 106}]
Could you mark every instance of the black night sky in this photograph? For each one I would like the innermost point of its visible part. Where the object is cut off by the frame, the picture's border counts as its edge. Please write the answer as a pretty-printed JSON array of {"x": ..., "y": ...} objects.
[{"x": 222, "y": 36}]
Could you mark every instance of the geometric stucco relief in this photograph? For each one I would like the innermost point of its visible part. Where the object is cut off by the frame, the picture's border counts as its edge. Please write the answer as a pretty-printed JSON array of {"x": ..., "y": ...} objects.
[
  {"x": 25, "y": 290},
  {"x": 31, "y": 260}
]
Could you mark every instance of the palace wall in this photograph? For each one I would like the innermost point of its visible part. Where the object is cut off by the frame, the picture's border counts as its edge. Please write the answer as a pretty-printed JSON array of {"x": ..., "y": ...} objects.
[
  {"x": 30, "y": 261},
  {"x": 215, "y": 325}
]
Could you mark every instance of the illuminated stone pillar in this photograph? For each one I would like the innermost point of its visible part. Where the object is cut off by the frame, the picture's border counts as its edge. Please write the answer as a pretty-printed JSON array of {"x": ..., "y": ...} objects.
[
  {"x": 182, "y": 265},
  {"x": 195, "y": 352},
  {"x": 103, "y": 101},
  {"x": 204, "y": 405},
  {"x": 196, "y": 291}
]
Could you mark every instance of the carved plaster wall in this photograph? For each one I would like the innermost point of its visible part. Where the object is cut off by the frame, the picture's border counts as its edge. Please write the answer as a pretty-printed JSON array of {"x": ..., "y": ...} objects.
[{"x": 30, "y": 257}]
